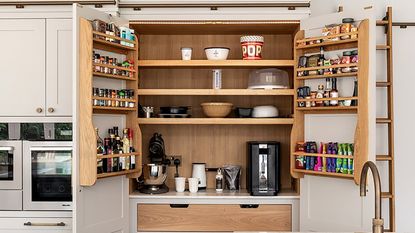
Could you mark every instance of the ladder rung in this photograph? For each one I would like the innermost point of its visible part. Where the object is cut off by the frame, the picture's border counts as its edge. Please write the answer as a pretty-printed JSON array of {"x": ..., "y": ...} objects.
[
  {"x": 383, "y": 158},
  {"x": 382, "y": 47},
  {"x": 383, "y": 84},
  {"x": 381, "y": 22},
  {"x": 383, "y": 120},
  {"x": 386, "y": 195}
]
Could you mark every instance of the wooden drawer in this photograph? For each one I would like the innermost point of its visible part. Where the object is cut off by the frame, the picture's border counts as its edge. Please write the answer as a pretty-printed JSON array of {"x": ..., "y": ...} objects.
[
  {"x": 166, "y": 217},
  {"x": 40, "y": 225}
]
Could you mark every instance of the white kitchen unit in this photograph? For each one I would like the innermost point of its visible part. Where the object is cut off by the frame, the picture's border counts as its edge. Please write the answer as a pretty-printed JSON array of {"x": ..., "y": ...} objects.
[
  {"x": 58, "y": 67},
  {"x": 42, "y": 82}
]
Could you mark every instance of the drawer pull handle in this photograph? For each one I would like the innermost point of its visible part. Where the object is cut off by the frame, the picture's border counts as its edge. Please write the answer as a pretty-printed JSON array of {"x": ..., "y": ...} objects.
[
  {"x": 249, "y": 206},
  {"x": 179, "y": 205},
  {"x": 59, "y": 224}
]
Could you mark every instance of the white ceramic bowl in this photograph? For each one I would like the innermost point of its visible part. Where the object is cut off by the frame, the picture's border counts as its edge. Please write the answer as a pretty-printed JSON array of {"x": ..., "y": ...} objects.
[
  {"x": 264, "y": 111},
  {"x": 217, "y": 53}
]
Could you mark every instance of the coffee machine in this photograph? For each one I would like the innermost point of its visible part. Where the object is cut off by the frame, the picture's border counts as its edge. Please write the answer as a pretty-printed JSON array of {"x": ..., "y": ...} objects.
[
  {"x": 155, "y": 173},
  {"x": 263, "y": 168}
]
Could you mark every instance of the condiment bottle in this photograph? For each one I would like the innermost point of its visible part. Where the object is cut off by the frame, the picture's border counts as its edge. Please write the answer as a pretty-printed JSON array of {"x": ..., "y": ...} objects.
[
  {"x": 334, "y": 93},
  {"x": 219, "y": 181}
]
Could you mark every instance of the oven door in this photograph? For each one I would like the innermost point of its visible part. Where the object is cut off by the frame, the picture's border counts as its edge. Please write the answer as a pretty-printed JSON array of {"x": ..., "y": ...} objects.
[
  {"x": 47, "y": 172},
  {"x": 10, "y": 165}
]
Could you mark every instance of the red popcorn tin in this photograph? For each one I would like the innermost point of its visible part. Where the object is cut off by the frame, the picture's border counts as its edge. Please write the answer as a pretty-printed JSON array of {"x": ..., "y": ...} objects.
[{"x": 252, "y": 47}]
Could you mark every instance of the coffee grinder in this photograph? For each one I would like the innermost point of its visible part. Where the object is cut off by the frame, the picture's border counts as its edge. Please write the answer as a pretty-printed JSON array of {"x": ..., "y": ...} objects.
[{"x": 155, "y": 173}]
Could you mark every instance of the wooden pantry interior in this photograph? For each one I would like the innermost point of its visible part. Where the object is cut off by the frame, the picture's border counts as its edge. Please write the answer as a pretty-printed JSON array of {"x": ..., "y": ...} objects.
[{"x": 163, "y": 79}]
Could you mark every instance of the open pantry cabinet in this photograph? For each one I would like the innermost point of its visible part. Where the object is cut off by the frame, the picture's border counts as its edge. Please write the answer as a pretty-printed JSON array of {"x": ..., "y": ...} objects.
[{"x": 163, "y": 79}]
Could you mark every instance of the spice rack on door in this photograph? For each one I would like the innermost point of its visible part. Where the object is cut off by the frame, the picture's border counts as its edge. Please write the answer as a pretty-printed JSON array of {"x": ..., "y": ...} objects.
[
  {"x": 87, "y": 136},
  {"x": 360, "y": 155}
]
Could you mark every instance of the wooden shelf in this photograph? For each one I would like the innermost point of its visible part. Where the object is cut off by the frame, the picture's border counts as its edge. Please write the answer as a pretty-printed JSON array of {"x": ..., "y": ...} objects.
[
  {"x": 113, "y": 109},
  {"x": 112, "y": 76},
  {"x": 215, "y": 121},
  {"x": 101, "y": 156},
  {"x": 317, "y": 173},
  {"x": 113, "y": 99},
  {"x": 331, "y": 108},
  {"x": 323, "y": 155},
  {"x": 112, "y": 46},
  {"x": 326, "y": 99},
  {"x": 121, "y": 173},
  {"x": 328, "y": 67},
  {"x": 330, "y": 43},
  {"x": 339, "y": 75},
  {"x": 241, "y": 92},
  {"x": 114, "y": 67},
  {"x": 214, "y": 63}
]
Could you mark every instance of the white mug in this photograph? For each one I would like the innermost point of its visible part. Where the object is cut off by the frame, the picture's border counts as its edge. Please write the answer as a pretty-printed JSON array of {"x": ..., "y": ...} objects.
[
  {"x": 180, "y": 184},
  {"x": 193, "y": 184},
  {"x": 186, "y": 53}
]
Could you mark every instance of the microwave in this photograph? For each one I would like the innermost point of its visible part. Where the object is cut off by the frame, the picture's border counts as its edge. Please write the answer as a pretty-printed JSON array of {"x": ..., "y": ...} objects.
[{"x": 47, "y": 169}]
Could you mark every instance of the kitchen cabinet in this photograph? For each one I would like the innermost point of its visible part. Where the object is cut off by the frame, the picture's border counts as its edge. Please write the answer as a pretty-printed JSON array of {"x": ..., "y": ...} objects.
[
  {"x": 221, "y": 140},
  {"x": 23, "y": 71},
  {"x": 37, "y": 80},
  {"x": 185, "y": 217},
  {"x": 58, "y": 67}
]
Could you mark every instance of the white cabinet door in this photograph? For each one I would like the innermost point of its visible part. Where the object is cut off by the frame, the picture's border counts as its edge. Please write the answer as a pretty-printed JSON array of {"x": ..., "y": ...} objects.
[
  {"x": 22, "y": 46},
  {"x": 58, "y": 67},
  {"x": 330, "y": 204},
  {"x": 103, "y": 207}
]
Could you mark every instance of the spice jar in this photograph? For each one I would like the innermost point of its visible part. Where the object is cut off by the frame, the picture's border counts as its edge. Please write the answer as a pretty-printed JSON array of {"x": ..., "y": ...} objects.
[
  {"x": 346, "y": 27},
  {"x": 346, "y": 57},
  {"x": 354, "y": 30},
  {"x": 313, "y": 97},
  {"x": 354, "y": 58}
]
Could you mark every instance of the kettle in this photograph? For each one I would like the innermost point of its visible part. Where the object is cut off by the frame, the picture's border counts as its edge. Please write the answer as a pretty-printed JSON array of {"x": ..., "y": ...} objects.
[{"x": 199, "y": 171}]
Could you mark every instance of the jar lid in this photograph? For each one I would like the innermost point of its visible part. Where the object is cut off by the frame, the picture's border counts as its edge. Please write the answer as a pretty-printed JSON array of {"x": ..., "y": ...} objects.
[
  {"x": 347, "y": 53},
  {"x": 354, "y": 52},
  {"x": 347, "y": 20},
  {"x": 252, "y": 38}
]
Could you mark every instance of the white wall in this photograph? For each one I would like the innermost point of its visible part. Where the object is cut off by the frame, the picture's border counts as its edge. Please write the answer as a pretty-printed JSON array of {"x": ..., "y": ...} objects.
[{"x": 404, "y": 80}]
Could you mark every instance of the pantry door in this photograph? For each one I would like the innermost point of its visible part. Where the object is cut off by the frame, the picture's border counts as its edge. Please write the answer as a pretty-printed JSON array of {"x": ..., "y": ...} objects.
[
  {"x": 103, "y": 207},
  {"x": 333, "y": 204}
]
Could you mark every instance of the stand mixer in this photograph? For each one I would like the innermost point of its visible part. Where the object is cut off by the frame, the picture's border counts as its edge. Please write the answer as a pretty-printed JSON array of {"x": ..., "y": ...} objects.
[{"x": 155, "y": 173}]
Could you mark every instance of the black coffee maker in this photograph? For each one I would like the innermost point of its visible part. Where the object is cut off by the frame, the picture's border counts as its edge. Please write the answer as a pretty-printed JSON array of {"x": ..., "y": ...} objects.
[{"x": 263, "y": 168}]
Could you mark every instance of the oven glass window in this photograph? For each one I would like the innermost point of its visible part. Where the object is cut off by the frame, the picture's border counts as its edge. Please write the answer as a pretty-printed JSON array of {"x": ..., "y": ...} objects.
[
  {"x": 6, "y": 165},
  {"x": 51, "y": 175}
]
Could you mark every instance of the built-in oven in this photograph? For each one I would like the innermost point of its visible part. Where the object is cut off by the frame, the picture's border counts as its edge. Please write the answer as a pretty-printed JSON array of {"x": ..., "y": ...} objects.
[
  {"x": 47, "y": 168},
  {"x": 11, "y": 175}
]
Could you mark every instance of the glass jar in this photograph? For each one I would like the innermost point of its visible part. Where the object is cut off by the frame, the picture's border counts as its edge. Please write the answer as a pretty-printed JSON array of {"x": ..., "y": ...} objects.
[{"x": 346, "y": 27}]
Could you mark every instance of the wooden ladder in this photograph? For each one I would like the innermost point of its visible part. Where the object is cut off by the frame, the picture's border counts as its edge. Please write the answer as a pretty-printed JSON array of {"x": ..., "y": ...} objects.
[{"x": 386, "y": 22}]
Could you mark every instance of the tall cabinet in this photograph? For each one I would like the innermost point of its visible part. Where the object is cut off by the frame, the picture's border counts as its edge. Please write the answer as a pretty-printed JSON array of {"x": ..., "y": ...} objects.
[{"x": 165, "y": 80}]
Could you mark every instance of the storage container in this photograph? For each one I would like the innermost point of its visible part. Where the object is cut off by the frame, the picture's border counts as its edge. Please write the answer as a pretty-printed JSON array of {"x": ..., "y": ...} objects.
[{"x": 271, "y": 78}]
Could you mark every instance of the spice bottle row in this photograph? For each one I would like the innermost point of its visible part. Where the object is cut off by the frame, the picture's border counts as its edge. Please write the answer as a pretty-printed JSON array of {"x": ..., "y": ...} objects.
[
  {"x": 320, "y": 60},
  {"x": 106, "y": 60},
  {"x": 114, "y": 144},
  {"x": 311, "y": 98},
  {"x": 115, "y": 95},
  {"x": 325, "y": 164},
  {"x": 347, "y": 25},
  {"x": 113, "y": 30}
]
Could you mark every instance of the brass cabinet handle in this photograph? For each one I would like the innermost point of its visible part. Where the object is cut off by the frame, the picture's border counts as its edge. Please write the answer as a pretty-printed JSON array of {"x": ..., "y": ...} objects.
[
  {"x": 39, "y": 110},
  {"x": 58, "y": 224},
  {"x": 50, "y": 110}
]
